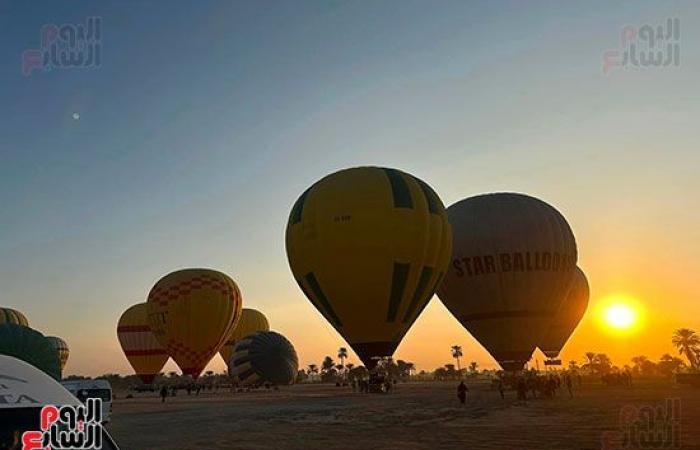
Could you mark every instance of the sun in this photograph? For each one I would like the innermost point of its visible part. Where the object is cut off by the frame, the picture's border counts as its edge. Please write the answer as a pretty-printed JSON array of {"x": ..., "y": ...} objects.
[{"x": 620, "y": 316}]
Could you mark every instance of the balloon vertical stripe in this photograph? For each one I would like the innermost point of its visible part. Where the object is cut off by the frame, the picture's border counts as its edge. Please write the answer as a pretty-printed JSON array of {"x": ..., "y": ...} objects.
[
  {"x": 419, "y": 294},
  {"x": 321, "y": 298},
  {"x": 399, "y": 189},
  {"x": 398, "y": 285}
]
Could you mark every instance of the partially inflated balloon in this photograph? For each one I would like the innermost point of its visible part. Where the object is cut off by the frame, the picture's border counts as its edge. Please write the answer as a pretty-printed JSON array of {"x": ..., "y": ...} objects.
[
  {"x": 61, "y": 348},
  {"x": 368, "y": 247},
  {"x": 251, "y": 322},
  {"x": 140, "y": 346},
  {"x": 512, "y": 264},
  {"x": 567, "y": 318},
  {"x": 9, "y": 315},
  {"x": 191, "y": 313},
  {"x": 265, "y": 356},
  {"x": 30, "y": 346}
]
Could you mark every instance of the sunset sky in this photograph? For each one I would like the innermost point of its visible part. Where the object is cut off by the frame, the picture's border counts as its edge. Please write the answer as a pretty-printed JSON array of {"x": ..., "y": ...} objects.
[{"x": 205, "y": 122}]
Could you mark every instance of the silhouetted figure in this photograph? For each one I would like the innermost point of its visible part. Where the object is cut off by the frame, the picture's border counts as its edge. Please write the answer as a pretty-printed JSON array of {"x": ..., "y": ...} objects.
[
  {"x": 462, "y": 392},
  {"x": 387, "y": 386},
  {"x": 567, "y": 382},
  {"x": 533, "y": 384},
  {"x": 551, "y": 384},
  {"x": 522, "y": 389},
  {"x": 163, "y": 393},
  {"x": 501, "y": 390}
]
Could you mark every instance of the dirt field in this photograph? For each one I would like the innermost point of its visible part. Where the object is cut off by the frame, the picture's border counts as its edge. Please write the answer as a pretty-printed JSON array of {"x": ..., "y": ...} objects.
[{"x": 415, "y": 416}]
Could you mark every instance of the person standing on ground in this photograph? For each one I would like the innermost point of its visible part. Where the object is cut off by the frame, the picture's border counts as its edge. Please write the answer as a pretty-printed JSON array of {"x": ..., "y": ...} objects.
[
  {"x": 462, "y": 392},
  {"x": 522, "y": 389},
  {"x": 163, "y": 393},
  {"x": 501, "y": 389},
  {"x": 567, "y": 382}
]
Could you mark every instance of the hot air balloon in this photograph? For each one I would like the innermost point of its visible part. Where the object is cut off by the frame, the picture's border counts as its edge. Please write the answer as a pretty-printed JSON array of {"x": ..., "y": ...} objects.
[
  {"x": 191, "y": 313},
  {"x": 251, "y": 322},
  {"x": 30, "y": 346},
  {"x": 9, "y": 315},
  {"x": 142, "y": 349},
  {"x": 265, "y": 356},
  {"x": 61, "y": 348},
  {"x": 512, "y": 264},
  {"x": 567, "y": 318},
  {"x": 368, "y": 246}
]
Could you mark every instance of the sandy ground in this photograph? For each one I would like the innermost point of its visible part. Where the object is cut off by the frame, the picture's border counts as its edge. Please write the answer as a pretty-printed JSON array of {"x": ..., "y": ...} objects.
[{"x": 415, "y": 416}]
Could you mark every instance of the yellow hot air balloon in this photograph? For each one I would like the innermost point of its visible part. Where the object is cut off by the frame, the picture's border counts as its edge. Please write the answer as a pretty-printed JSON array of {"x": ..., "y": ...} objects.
[
  {"x": 9, "y": 315},
  {"x": 61, "y": 348},
  {"x": 368, "y": 246},
  {"x": 251, "y": 322},
  {"x": 567, "y": 318},
  {"x": 142, "y": 349},
  {"x": 512, "y": 264},
  {"x": 191, "y": 313}
]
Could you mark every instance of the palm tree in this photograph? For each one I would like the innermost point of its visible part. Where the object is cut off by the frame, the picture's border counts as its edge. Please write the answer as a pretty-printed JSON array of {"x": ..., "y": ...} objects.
[
  {"x": 313, "y": 370},
  {"x": 327, "y": 365},
  {"x": 342, "y": 354},
  {"x": 473, "y": 366},
  {"x": 590, "y": 361},
  {"x": 688, "y": 344},
  {"x": 668, "y": 364},
  {"x": 639, "y": 362},
  {"x": 450, "y": 371},
  {"x": 456, "y": 354},
  {"x": 411, "y": 368},
  {"x": 603, "y": 363}
]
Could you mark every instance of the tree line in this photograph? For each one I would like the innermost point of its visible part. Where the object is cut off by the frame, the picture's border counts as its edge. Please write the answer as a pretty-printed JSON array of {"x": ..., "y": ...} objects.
[{"x": 685, "y": 340}]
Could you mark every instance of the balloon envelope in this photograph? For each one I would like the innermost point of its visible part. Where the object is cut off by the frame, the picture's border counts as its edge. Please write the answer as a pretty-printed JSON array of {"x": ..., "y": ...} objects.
[
  {"x": 139, "y": 344},
  {"x": 251, "y": 322},
  {"x": 368, "y": 247},
  {"x": 265, "y": 356},
  {"x": 568, "y": 317},
  {"x": 61, "y": 348},
  {"x": 191, "y": 313},
  {"x": 512, "y": 264},
  {"x": 30, "y": 346},
  {"x": 9, "y": 315}
]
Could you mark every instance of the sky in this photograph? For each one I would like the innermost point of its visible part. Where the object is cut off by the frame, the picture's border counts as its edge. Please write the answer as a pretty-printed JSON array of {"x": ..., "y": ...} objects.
[{"x": 204, "y": 121}]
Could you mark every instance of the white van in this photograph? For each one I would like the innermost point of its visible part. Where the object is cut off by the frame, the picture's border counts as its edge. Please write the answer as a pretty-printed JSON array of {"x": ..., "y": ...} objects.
[
  {"x": 24, "y": 390},
  {"x": 85, "y": 389}
]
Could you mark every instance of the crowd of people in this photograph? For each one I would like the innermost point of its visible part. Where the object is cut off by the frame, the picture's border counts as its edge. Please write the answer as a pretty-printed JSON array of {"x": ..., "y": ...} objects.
[
  {"x": 623, "y": 378},
  {"x": 532, "y": 384}
]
